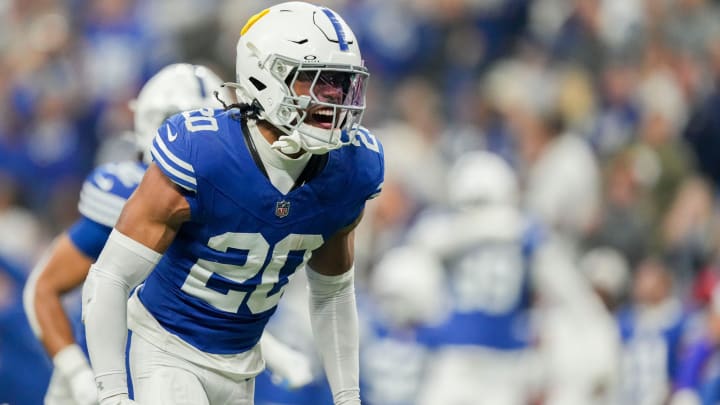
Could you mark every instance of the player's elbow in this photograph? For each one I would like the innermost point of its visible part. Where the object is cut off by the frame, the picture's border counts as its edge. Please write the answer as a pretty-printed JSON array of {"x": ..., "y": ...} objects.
[{"x": 45, "y": 289}]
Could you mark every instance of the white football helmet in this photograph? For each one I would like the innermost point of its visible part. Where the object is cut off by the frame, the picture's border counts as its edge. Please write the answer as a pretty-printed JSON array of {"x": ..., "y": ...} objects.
[
  {"x": 175, "y": 88},
  {"x": 409, "y": 286},
  {"x": 293, "y": 46},
  {"x": 482, "y": 178}
]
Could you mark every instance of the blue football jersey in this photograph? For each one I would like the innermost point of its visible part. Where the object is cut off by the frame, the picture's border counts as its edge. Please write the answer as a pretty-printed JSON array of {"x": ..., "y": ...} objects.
[
  {"x": 651, "y": 350},
  {"x": 393, "y": 361},
  {"x": 491, "y": 290},
  {"x": 221, "y": 278}
]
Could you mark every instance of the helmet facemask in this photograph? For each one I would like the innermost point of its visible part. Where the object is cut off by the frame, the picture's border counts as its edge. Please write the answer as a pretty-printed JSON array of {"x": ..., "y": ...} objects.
[{"x": 323, "y": 105}]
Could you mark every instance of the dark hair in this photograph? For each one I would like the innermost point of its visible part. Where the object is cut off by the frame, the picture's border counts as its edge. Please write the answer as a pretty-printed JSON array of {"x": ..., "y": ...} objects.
[{"x": 245, "y": 110}]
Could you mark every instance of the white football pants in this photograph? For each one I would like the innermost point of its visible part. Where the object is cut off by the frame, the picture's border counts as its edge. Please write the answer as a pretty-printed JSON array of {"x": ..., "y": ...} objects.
[{"x": 160, "y": 378}]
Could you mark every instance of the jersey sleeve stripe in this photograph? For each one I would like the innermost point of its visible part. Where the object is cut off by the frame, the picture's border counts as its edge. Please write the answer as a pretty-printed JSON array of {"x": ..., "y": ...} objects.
[
  {"x": 179, "y": 162},
  {"x": 100, "y": 206},
  {"x": 96, "y": 199},
  {"x": 93, "y": 195},
  {"x": 98, "y": 215},
  {"x": 181, "y": 179}
]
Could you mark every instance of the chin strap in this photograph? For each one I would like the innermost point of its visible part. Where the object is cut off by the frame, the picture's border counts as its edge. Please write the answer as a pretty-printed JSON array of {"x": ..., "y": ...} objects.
[
  {"x": 293, "y": 143},
  {"x": 289, "y": 144}
]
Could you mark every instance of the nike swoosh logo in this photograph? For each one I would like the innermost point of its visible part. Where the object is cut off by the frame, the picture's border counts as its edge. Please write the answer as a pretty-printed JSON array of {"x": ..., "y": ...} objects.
[
  {"x": 300, "y": 42},
  {"x": 171, "y": 136},
  {"x": 103, "y": 182}
]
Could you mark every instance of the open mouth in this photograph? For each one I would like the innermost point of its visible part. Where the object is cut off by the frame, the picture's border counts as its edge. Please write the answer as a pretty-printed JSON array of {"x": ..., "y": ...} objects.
[{"x": 322, "y": 118}]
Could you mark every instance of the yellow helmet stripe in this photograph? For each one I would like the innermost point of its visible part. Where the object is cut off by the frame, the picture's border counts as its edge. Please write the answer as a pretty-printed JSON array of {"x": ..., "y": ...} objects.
[{"x": 253, "y": 20}]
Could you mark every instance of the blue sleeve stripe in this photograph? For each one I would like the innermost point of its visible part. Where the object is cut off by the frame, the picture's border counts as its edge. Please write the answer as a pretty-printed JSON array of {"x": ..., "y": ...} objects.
[
  {"x": 100, "y": 206},
  {"x": 97, "y": 214},
  {"x": 181, "y": 179},
  {"x": 101, "y": 197},
  {"x": 179, "y": 162}
]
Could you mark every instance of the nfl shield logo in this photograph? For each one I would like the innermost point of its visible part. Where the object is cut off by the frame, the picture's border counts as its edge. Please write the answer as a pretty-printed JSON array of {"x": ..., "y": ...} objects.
[{"x": 282, "y": 208}]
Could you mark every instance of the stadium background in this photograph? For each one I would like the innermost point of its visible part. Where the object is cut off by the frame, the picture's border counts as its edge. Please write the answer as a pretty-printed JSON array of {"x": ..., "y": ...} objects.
[{"x": 608, "y": 110}]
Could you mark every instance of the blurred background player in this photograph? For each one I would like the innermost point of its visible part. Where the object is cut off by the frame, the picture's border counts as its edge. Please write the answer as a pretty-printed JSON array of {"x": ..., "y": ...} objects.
[
  {"x": 406, "y": 300},
  {"x": 175, "y": 88},
  {"x": 501, "y": 266},
  {"x": 653, "y": 326}
]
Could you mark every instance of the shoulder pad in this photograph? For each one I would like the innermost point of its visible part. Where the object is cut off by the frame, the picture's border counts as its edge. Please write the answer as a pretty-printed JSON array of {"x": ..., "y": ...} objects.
[
  {"x": 172, "y": 152},
  {"x": 369, "y": 162}
]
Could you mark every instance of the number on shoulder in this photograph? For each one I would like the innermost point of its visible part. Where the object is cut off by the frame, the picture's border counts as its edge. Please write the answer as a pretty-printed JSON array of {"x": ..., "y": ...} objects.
[
  {"x": 202, "y": 119},
  {"x": 364, "y": 137}
]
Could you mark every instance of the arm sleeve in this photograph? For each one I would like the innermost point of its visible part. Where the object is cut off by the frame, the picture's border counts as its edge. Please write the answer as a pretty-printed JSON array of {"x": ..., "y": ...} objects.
[
  {"x": 334, "y": 321},
  {"x": 122, "y": 265}
]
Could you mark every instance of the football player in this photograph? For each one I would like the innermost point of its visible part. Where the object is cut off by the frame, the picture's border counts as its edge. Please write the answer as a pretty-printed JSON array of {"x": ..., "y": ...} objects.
[
  {"x": 406, "y": 302},
  {"x": 233, "y": 203},
  {"x": 175, "y": 88},
  {"x": 497, "y": 260}
]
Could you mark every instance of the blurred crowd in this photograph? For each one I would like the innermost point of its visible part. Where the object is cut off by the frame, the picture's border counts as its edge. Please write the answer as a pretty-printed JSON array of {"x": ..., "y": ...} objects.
[{"x": 606, "y": 111}]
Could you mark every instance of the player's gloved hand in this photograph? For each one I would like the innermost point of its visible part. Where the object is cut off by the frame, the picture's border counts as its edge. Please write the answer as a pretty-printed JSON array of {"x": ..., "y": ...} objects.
[
  {"x": 289, "y": 368},
  {"x": 75, "y": 369},
  {"x": 119, "y": 399}
]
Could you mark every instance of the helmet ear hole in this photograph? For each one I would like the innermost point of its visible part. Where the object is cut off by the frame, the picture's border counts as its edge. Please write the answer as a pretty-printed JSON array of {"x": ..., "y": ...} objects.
[
  {"x": 290, "y": 76},
  {"x": 260, "y": 86}
]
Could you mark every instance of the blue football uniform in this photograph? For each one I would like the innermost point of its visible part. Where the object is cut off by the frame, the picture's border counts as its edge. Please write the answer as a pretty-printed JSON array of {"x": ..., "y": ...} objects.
[
  {"x": 393, "y": 360},
  {"x": 651, "y": 351},
  {"x": 220, "y": 280},
  {"x": 490, "y": 283}
]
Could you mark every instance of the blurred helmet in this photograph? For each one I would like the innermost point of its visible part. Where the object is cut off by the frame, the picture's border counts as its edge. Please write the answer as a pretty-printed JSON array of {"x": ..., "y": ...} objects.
[
  {"x": 409, "y": 286},
  {"x": 294, "y": 46},
  {"x": 175, "y": 88},
  {"x": 482, "y": 178},
  {"x": 607, "y": 269}
]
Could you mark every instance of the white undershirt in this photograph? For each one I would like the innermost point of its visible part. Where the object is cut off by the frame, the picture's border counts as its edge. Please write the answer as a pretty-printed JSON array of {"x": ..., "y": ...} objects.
[{"x": 282, "y": 170}]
